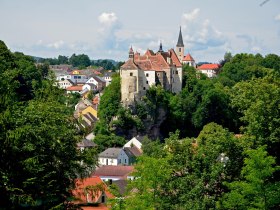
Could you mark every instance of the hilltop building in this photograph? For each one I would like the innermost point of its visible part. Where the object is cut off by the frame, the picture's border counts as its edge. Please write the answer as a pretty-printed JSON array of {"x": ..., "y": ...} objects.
[{"x": 140, "y": 72}]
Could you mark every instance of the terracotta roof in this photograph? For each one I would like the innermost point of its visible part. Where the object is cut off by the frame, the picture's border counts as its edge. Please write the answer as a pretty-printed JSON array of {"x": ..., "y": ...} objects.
[
  {"x": 209, "y": 66},
  {"x": 129, "y": 65},
  {"x": 175, "y": 58},
  {"x": 95, "y": 100},
  {"x": 110, "y": 170},
  {"x": 81, "y": 184},
  {"x": 152, "y": 62},
  {"x": 75, "y": 88},
  {"x": 188, "y": 57}
]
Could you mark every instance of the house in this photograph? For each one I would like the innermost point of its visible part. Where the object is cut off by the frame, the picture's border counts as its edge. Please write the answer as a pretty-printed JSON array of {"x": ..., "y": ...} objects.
[
  {"x": 97, "y": 81},
  {"x": 132, "y": 154},
  {"x": 188, "y": 59},
  {"x": 90, "y": 86},
  {"x": 113, "y": 156},
  {"x": 114, "y": 173},
  {"x": 91, "y": 110},
  {"x": 85, "y": 143},
  {"x": 107, "y": 78},
  {"x": 64, "y": 83},
  {"x": 91, "y": 192},
  {"x": 210, "y": 70},
  {"x": 134, "y": 142},
  {"x": 75, "y": 89}
]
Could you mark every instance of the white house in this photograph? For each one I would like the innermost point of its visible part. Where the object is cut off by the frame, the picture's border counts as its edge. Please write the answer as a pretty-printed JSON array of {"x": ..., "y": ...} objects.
[
  {"x": 65, "y": 83},
  {"x": 97, "y": 81},
  {"x": 188, "y": 59},
  {"x": 113, "y": 156},
  {"x": 210, "y": 70},
  {"x": 107, "y": 78},
  {"x": 134, "y": 142}
]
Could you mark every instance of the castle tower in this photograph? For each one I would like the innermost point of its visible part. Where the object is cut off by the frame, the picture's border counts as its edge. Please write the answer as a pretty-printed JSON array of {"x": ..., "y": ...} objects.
[
  {"x": 180, "y": 47},
  {"x": 131, "y": 53}
]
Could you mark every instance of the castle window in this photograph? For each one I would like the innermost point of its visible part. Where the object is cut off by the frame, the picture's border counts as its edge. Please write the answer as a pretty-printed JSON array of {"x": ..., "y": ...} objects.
[
  {"x": 179, "y": 49},
  {"x": 147, "y": 75},
  {"x": 131, "y": 74},
  {"x": 147, "y": 82},
  {"x": 176, "y": 72},
  {"x": 144, "y": 88}
]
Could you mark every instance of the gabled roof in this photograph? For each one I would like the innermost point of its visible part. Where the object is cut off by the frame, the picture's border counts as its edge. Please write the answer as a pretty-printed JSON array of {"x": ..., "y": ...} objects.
[
  {"x": 188, "y": 57},
  {"x": 110, "y": 153},
  {"x": 132, "y": 151},
  {"x": 180, "y": 42},
  {"x": 86, "y": 143},
  {"x": 209, "y": 66},
  {"x": 82, "y": 184},
  {"x": 129, "y": 65},
  {"x": 111, "y": 170}
]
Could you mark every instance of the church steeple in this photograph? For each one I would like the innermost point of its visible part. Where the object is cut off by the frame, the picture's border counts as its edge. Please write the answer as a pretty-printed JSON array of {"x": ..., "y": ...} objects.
[
  {"x": 180, "y": 42},
  {"x": 180, "y": 47},
  {"x": 160, "y": 47}
]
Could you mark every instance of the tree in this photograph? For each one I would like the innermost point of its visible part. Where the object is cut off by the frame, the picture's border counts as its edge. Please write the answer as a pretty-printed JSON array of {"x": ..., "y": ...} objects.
[
  {"x": 39, "y": 159},
  {"x": 258, "y": 101},
  {"x": 62, "y": 59},
  {"x": 149, "y": 174},
  {"x": 256, "y": 190},
  {"x": 79, "y": 60}
]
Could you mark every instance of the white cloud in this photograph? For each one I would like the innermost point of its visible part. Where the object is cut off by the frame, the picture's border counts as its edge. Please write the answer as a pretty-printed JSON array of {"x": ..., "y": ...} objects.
[
  {"x": 277, "y": 17},
  {"x": 56, "y": 45},
  {"x": 108, "y": 18},
  {"x": 188, "y": 17},
  {"x": 199, "y": 34}
]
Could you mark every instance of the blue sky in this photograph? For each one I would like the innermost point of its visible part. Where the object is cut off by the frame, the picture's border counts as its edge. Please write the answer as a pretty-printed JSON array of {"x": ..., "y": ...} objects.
[{"x": 107, "y": 28}]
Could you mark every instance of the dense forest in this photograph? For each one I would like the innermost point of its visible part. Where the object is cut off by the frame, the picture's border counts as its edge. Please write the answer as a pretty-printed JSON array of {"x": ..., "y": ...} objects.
[{"x": 219, "y": 139}]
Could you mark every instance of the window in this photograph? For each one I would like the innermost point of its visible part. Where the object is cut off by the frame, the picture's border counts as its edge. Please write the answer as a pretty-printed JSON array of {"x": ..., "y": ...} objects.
[
  {"x": 144, "y": 88},
  {"x": 103, "y": 199},
  {"x": 131, "y": 74},
  {"x": 124, "y": 160},
  {"x": 176, "y": 72},
  {"x": 147, "y": 82},
  {"x": 179, "y": 49},
  {"x": 147, "y": 74}
]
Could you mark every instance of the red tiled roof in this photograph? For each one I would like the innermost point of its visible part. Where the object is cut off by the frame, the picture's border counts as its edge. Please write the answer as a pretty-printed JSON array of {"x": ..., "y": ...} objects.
[
  {"x": 188, "y": 57},
  {"x": 153, "y": 62},
  {"x": 81, "y": 184},
  {"x": 75, "y": 88},
  {"x": 175, "y": 58},
  {"x": 208, "y": 66},
  {"x": 129, "y": 65},
  {"x": 110, "y": 170}
]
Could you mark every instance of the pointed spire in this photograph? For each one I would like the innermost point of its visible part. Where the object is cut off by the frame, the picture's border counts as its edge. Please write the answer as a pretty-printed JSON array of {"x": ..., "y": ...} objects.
[
  {"x": 160, "y": 47},
  {"x": 180, "y": 42}
]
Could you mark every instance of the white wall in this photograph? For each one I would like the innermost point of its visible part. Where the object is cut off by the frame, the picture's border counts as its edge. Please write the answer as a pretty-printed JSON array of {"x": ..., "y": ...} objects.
[
  {"x": 135, "y": 143},
  {"x": 103, "y": 161}
]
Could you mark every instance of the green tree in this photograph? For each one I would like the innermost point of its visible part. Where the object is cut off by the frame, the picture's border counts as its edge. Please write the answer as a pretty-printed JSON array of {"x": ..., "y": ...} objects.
[
  {"x": 39, "y": 159},
  {"x": 149, "y": 174},
  {"x": 256, "y": 190},
  {"x": 258, "y": 101}
]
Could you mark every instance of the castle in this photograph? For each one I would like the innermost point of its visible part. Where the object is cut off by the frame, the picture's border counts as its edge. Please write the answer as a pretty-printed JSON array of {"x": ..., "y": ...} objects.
[{"x": 140, "y": 72}]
